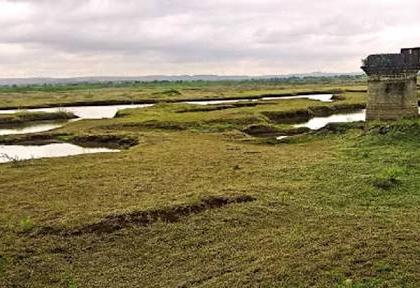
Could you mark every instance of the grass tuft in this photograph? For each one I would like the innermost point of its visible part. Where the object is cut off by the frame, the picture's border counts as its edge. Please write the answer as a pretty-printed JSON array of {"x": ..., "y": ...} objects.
[
  {"x": 3, "y": 263},
  {"x": 389, "y": 177},
  {"x": 26, "y": 224}
]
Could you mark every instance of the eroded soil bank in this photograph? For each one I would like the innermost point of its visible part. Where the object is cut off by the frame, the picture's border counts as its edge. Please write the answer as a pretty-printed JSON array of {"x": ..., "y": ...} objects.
[{"x": 114, "y": 223}]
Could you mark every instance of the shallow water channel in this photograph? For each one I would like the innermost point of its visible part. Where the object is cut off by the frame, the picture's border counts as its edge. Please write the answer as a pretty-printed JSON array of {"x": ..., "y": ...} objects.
[
  {"x": 10, "y": 153},
  {"x": 33, "y": 128},
  {"x": 317, "y": 97},
  {"x": 320, "y": 122},
  {"x": 107, "y": 112},
  {"x": 82, "y": 112},
  {"x": 317, "y": 123}
]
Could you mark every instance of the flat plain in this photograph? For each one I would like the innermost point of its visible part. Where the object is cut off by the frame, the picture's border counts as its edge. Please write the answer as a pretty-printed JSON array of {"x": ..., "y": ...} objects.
[{"x": 195, "y": 199}]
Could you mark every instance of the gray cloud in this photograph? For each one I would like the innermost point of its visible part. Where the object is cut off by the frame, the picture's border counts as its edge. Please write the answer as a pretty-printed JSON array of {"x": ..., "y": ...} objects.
[{"x": 110, "y": 37}]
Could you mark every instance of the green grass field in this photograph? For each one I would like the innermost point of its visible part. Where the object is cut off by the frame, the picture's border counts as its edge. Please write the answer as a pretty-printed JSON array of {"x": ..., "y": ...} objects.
[
  {"x": 26, "y": 97},
  {"x": 331, "y": 209}
]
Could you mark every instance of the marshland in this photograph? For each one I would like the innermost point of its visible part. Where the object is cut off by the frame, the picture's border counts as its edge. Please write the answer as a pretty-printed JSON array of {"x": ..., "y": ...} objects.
[{"x": 219, "y": 193}]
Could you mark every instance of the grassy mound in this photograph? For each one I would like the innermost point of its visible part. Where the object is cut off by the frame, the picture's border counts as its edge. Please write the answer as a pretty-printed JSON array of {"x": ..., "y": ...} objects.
[{"x": 20, "y": 118}]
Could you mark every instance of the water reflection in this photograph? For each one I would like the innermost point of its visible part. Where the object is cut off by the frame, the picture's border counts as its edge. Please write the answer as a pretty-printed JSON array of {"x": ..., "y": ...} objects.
[
  {"x": 320, "y": 122},
  {"x": 9, "y": 153},
  {"x": 31, "y": 128},
  {"x": 317, "y": 97},
  {"x": 84, "y": 112}
]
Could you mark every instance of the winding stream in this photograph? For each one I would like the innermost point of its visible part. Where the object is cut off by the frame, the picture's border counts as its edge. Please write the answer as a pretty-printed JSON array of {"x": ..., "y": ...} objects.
[
  {"x": 320, "y": 122},
  {"x": 10, "y": 153},
  {"x": 316, "y": 97},
  {"x": 107, "y": 112},
  {"x": 82, "y": 112},
  {"x": 317, "y": 123}
]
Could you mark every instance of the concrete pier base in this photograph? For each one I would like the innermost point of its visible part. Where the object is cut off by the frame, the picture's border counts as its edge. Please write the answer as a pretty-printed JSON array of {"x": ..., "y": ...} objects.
[
  {"x": 392, "y": 97},
  {"x": 392, "y": 85}
]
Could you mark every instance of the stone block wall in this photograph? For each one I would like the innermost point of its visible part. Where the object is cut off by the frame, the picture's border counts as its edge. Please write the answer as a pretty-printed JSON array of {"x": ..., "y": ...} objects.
[
  {"x": 392, "y": 97},
  {"x": 392, "y": 85}
]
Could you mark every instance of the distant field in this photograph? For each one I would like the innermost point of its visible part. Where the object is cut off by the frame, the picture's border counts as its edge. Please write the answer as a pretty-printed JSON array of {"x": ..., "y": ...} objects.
[
  {"x": 56, "y": 95},
  {"x": 200, "y": 203}
]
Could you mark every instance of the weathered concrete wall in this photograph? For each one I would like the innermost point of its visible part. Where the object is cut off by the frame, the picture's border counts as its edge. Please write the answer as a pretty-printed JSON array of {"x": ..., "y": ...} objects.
[
  {"x": 392, "y": 97},
  {"x": 392, "y": 85}
]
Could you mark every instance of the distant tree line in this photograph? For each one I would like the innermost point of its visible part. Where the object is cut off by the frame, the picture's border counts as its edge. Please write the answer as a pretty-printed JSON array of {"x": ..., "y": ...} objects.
[{"x": 56, "y": 87}]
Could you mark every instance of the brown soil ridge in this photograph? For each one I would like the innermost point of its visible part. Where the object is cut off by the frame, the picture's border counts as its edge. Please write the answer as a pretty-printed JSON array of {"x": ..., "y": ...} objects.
[
  {"x": 116, "y": 222},
  {"x": 267, "y": 130},
  {"x": 105, "y": 140}
]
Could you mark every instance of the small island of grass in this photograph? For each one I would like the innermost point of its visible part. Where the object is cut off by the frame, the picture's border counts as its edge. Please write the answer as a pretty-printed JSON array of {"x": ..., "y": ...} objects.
[{"x": 25, "y": 117}]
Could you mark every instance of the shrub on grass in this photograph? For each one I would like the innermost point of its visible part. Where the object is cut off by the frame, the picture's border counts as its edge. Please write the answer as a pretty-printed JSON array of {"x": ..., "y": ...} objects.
[
  {"x": 2, "y": 264},
  {"x": 26, "y": 224},
  {"x": 389, "y": 178}
]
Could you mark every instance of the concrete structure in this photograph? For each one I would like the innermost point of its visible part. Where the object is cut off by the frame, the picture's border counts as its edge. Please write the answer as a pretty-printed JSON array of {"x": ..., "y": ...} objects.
[{"x": 392, "y": 85}]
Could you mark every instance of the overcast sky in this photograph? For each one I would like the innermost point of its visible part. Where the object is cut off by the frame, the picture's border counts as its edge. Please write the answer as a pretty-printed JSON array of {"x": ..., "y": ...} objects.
[{"x": 64, "y": 38}]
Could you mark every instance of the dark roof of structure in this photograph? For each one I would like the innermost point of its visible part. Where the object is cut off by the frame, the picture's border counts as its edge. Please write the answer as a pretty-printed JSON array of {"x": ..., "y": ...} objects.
[{"x": 407, "y": 60}]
